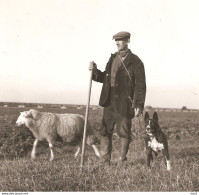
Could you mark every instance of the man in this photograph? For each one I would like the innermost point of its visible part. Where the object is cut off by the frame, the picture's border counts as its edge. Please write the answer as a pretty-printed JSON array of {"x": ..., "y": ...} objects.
[{"x": 122, "y": 96}]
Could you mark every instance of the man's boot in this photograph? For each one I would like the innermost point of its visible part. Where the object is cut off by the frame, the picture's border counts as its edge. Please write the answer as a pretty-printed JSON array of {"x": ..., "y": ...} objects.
[
  {"x": 124, "y": 146},
  {"x": 105, "y": 149}
]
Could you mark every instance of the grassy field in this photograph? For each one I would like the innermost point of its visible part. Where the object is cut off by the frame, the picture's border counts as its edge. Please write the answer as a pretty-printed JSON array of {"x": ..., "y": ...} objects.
[{"x": 63, "y": 174}]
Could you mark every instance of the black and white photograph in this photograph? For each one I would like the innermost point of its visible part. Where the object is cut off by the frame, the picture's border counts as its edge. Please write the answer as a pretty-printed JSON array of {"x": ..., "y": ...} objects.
[{"x": 99, "y": 96}]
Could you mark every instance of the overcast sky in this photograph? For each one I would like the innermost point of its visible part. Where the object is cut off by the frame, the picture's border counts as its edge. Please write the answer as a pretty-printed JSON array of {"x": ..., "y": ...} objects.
[{"x": 46, "y": 47}]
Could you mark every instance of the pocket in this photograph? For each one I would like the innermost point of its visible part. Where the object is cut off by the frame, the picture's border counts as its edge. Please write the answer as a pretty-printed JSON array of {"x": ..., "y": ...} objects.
[{"x": 106, "y": 78}]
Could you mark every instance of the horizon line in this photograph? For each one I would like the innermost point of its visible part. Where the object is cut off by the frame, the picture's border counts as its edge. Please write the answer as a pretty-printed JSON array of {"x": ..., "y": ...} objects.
[{"x": 146, "y": 106}]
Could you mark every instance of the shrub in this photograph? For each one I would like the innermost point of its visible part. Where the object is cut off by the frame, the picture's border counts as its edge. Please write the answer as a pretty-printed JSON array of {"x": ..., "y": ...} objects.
[{"x": 14, "y": 142}]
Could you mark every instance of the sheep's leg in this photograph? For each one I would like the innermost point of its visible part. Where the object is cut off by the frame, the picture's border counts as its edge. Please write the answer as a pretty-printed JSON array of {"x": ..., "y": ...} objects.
[
  {"x": 33, "y": 153},
  {"x": 77, "y": 152},
  {"x": 51, "y": 151},
  {"x": 97, "y": 153}
]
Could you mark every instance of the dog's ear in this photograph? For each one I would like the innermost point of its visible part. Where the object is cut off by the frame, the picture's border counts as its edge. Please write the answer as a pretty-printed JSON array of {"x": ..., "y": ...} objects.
[
  {"x": 146, "y": 116},
  {"x": 155, "y": 116}
]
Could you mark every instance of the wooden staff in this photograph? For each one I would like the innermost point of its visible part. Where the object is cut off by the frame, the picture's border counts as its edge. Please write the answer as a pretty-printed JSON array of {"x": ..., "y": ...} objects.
[{"x": 86, "y": 120}]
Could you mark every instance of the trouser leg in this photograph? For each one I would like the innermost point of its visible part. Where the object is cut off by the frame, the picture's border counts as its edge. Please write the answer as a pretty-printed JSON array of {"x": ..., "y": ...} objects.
[
  {"x": 124, "y": 146},
  {"x": 105, "y": 149},
  {"x": 123, "y": 130},
  {"x": 106, "y": 132}
]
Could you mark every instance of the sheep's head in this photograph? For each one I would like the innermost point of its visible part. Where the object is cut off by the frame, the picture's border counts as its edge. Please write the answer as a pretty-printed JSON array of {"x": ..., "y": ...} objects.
[{"x": 24, "y": 117}]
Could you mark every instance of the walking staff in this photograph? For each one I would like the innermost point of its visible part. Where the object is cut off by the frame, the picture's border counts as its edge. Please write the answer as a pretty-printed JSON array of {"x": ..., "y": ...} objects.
[{"x": 86, "y": 120}]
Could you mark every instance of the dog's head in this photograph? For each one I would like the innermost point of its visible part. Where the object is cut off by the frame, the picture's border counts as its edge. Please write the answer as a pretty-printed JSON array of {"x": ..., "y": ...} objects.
[{"x": 151, "y": 124}]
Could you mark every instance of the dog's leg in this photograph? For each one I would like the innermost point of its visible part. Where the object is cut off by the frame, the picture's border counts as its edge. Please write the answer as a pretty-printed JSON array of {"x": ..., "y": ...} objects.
[
  {"x": 156, "y": 154},
  {"x": 166, "y": 158},
  {"x": 149, "y": 157}
]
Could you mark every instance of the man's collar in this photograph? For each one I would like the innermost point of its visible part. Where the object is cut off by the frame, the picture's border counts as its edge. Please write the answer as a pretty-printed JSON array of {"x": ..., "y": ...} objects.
[
  {"x": 123, "y": 53},
  {"x": 114, "y": 54}
]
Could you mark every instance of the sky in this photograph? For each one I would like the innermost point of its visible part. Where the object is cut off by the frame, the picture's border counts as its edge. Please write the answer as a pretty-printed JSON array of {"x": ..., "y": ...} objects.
[{"x": 46, "y": 47}]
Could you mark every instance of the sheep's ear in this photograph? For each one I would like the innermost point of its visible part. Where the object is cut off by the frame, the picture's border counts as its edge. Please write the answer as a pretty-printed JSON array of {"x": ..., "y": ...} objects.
[
  {"x": 146, "y": 116},
  {"x": 28, "y": 114},
  {"x": 155, "y": 116},
  {"x": 35, "y": 114}
]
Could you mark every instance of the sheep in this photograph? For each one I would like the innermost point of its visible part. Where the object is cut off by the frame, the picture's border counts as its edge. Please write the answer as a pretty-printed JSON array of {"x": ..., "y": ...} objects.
[{"x": 50, "y": 126}]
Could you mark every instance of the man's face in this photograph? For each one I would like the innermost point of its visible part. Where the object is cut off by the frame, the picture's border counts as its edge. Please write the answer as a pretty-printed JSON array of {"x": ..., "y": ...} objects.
[{"x": 121, "y": 44}]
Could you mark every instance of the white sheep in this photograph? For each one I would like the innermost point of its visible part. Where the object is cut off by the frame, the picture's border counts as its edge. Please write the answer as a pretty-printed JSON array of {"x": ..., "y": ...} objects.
[{"x": 50, "y": 126}]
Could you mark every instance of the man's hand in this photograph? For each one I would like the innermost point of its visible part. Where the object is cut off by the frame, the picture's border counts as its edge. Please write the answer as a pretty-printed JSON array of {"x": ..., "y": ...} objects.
[
  {"x": 92, "y": 66},
  {"x": 138, "y": 112}
]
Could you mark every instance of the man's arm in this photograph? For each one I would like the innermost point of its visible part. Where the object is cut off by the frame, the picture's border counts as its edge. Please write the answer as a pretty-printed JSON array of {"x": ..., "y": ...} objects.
[
  {"x": 97, "y": 74},
  {"x": 140, "y": 89}
]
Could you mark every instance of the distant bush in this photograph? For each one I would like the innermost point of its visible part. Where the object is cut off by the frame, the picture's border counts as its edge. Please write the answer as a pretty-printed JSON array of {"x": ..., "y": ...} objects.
[
  {"x": 14, "y": 142},
  {"x": 148, "y": 107},
  {"x": 184, "y": 108}
]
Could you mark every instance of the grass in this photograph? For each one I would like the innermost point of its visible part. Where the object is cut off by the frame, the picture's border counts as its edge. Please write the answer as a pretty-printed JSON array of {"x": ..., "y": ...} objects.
[{"x": 63, "y": 174}]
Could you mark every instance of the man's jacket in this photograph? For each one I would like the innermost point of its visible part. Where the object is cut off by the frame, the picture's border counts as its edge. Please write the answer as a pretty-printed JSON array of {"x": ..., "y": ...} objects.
[{"x": 124, "y": 87}]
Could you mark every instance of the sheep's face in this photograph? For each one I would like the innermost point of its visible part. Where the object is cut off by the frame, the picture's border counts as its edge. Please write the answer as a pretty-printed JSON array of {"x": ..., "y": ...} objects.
[{"x": 22, "y": 119}]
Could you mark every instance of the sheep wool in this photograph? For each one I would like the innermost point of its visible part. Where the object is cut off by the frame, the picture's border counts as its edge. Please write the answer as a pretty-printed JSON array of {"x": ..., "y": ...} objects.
[{"x": 51, "y": 126}]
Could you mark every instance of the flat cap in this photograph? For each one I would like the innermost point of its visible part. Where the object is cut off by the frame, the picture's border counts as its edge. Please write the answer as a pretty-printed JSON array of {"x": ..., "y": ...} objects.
[{"x": 121, "y": 35}]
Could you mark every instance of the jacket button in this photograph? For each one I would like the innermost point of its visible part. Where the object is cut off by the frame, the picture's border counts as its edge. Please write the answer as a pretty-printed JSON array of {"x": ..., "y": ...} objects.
[
  {"x": 116, "y": 96},
  {"x": 116, "y": 84},
  {"x": 107, "y": 74}
]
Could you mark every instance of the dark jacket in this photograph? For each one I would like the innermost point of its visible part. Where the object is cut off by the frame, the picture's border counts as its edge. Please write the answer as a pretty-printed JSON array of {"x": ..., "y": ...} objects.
[{"x": 123, "y": 85}]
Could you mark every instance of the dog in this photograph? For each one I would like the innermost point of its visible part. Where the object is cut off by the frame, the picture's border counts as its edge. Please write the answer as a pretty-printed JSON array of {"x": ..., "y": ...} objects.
[{"x": 155, "y": 140}]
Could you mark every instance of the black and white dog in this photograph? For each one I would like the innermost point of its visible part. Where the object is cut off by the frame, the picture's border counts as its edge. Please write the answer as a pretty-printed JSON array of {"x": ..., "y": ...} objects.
[{"x": 155, "y": 140}]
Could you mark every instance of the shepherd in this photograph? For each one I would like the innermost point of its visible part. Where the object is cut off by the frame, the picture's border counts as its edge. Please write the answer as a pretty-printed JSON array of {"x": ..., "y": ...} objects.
[{"x": 122, "y": 96}]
